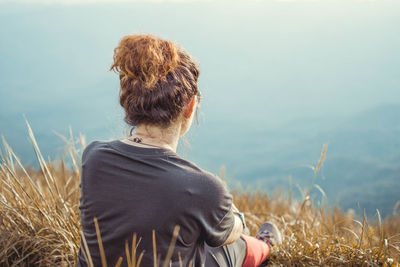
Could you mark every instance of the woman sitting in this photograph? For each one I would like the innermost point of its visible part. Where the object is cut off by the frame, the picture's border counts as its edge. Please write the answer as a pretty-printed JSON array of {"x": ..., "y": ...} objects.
[{"x": 139, "y": 184}]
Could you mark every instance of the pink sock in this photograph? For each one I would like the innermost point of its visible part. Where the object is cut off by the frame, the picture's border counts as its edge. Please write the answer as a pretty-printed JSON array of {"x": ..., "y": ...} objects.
[{"x": 257, "y": 251}]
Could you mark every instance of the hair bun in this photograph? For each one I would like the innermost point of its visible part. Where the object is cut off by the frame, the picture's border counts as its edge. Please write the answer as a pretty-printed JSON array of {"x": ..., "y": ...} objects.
[{"x": 145, "y": 59}]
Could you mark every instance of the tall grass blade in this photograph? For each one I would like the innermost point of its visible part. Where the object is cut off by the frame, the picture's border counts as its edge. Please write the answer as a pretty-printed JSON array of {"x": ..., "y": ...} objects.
[
  {"x": 102, "y": 253},
  {"x": 171, "y": 246}
]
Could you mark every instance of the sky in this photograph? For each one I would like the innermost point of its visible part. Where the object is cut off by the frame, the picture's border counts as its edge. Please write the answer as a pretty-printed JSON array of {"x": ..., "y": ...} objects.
[
  {"x": 262, "y": 62},
  {"x": 338, "y": 57}
]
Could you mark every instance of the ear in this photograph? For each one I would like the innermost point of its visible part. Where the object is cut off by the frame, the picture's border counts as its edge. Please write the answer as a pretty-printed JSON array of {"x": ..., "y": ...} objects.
[{"x": 189, "y": 109}]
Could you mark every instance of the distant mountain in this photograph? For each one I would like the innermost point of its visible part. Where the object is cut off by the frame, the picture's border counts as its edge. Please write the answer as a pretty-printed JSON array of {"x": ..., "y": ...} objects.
[{"x": 362, "y": 164}]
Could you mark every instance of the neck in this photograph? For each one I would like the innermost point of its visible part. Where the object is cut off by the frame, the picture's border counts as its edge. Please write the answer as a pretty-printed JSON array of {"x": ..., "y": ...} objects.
[{"x": 158, "y": 136}]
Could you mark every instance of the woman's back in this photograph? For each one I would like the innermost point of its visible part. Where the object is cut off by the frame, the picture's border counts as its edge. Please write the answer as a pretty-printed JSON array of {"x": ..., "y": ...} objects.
[{"x": 132, "y": 189}]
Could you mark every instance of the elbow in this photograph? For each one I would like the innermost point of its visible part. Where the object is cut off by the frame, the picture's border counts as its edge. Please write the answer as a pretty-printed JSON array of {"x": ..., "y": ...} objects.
[
  {"x": 236, "y": 231},
  {"x": 232, "y": 238}
]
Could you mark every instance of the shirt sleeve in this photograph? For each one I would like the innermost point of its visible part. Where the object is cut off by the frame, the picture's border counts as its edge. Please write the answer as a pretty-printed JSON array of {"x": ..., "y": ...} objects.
[{"x": 218, "y": 219}]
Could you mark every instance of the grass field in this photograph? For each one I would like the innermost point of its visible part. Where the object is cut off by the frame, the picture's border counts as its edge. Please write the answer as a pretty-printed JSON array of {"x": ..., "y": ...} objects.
[{"x": 40, "y": 226}]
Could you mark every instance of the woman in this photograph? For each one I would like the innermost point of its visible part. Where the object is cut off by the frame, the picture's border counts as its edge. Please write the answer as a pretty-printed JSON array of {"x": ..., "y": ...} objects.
[{"x": 139, "y": 184}]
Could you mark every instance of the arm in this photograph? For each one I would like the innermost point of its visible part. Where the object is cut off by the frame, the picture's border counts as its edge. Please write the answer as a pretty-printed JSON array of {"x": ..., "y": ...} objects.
[
  {"x": 236, "y": 231},
  {"x": 219, "y": 223}
]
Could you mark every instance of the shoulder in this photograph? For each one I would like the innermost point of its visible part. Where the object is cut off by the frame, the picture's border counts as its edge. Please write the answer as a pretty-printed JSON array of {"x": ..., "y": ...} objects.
[
  {"x": 206, "y": 178},
  {"x": 214, "y": 189},
  {"x": 205, "y": 183},
  {"x": 214, "y": 183},
  {"x": 94, "y": 149}
]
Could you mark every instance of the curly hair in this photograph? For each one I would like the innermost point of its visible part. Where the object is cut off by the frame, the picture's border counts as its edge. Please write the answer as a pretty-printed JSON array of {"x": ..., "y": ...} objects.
[{"x": 157, "y": 77}]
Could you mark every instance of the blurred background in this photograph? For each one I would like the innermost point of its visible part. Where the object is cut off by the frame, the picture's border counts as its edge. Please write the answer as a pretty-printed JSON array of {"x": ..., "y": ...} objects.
[{"x": 278, "y": 78}]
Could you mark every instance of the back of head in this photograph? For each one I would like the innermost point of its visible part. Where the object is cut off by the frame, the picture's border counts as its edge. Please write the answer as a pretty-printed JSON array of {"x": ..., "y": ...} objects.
[{"x": 158, "y": 78}]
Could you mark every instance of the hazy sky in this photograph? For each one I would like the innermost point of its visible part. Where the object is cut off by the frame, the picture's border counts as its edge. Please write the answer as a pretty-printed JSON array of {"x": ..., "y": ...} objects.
[{"x": 263, "y": 63}]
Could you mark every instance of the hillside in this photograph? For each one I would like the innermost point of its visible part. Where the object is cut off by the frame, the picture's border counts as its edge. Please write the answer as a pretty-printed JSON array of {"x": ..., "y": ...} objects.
[{"x": 362, "y": 163}]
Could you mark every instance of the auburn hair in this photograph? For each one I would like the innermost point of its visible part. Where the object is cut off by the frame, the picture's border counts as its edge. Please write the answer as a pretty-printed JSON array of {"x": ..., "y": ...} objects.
[{"x": 157, "y": 77}]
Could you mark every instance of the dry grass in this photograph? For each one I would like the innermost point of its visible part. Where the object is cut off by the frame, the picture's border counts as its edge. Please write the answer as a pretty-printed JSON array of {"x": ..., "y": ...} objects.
[{"x": 40, "y": 221}]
